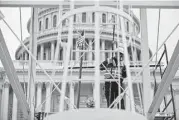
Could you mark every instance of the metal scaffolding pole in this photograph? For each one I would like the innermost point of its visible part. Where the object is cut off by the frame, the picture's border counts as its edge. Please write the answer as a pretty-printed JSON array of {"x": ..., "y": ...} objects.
[
  {"x": 126, "y": 60},
  {"x": 32, "y": 62},
  {"x": 67, "y": 58},
  {"x": 145, "y": 59},
  {"x": 97, "y": 59}
]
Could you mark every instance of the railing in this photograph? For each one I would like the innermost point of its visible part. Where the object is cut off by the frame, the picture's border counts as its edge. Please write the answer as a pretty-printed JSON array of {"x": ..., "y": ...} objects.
[
  {"x": 171, "y": 101},
  {"x": 49, "y": 64}
]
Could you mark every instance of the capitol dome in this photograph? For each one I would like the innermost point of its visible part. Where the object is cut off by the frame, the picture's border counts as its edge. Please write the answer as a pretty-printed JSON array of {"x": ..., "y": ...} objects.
[{"x": 48, "y": 32}]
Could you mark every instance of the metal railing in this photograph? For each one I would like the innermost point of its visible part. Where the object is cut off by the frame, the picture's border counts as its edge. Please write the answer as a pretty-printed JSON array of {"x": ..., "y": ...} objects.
[{"x": 171, "y": 101}]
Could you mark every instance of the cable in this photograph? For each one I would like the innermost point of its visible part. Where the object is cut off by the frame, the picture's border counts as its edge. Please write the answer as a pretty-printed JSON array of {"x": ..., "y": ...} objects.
[
  {"x": 158, "y": 31},
  {"x": 22, "y": 40}
]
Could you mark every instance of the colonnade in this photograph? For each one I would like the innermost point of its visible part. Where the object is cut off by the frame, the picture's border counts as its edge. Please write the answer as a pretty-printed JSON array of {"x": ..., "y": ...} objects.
[
  {"x": 46, "y": 51},
  {"x": 5, "y": 100}
]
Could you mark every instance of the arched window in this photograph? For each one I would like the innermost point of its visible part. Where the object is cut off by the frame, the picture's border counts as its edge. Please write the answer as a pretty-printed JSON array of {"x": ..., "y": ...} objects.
[
  {"x": 113, "y": 19},
  {"x": 127, "y": 26},
  {"x": 93, "y": 17},
  {"x": 103, "y": 18},
  {"x": 46, "y": 23},
  {"x": 40, "y": 25},
  {"x": 54, "y": 20},
  {"x": 83, "y": 17}
]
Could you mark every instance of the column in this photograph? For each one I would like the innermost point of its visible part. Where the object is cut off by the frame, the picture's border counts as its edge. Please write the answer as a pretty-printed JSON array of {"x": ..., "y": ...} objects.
[
  {"x": 5, "y": 101},
  {"x": 97, "y": 59},
  {"x": 77, "y": 49},
  {"x": 64, "y": 52},
  {"x": 90, "y": 53},
  {"x": 72, "y": 94},
  {"x": 14, "y": 109},
  {"x": 52, "y": 50},
  {"x": 42, "y": 52},
  {"x": 26, "y": 55},
  {"x": 103, "y": 48},
  {"x": 127, "y": 99},
  {"x": 48, "y": 100},
  {"x": 39, "y": 96}
]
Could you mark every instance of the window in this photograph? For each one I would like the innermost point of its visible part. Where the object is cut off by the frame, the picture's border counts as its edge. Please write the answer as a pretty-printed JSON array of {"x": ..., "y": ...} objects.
[
  {"x": 46, "y": 23},
  {"x": 83, "y": 17},
  {"x": 40, "y": 25},
  {"x": 103, "y": 18},
  {"x": 113, "y": 19},
  {"x": 127, "y": 26},
  {"x": 93, "y": 17},
  {"x": 64, "y": 22},
  {"x": 54, "y": 20},
  {"x": 74, "y": 18}
]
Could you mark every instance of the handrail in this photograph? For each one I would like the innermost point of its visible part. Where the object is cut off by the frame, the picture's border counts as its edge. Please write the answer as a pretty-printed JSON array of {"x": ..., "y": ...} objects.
[{"x": 171, "y": 88}]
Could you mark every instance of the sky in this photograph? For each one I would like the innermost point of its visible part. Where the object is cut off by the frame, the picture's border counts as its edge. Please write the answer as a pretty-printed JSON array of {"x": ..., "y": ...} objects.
[{"x": 169, "y": 19}]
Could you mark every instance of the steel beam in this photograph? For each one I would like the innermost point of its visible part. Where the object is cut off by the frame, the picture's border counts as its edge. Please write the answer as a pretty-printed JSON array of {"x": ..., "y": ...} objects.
[
  {"x": 97, "y": 60},
  {"x": 167, "y": 78},
  {"x": 12, "y": 76},
  {"x": 55, "y": 3},
  {"x": 145, "y": 58},
  {"x": 32, "y": 62}
]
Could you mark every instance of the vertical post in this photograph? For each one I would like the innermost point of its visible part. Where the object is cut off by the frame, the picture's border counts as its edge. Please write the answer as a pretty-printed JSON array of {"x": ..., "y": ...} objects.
[
  {"x": 118, "y": 56},
  {"x": 42, "y": 52},
  {"x": 32, "y": 63},
  {"x": 39, "y": 94},
  {"x": 48, "y": 86},
  {"x": 5, "y": 101},
  {"x": 97, "y": 59},
  {"x": 145, "y": 59},
  {"x": 72, "y": 94},
  {"x": 126, "y": 60},
  {"x": 67, "y": 59}
]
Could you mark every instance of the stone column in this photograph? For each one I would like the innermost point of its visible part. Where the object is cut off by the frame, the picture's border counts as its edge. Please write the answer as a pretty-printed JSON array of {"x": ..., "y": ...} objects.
[
  {"x": 52, "y": 50},
  {"x": 14, "y": 109},
  {"x": 39, "y": 95},
  {"x": 72, "y": 94},
  {"x": 48, "y": 101},
  {"x": 26, "y": 55},
  {"x": 90, "y": 53},
  {"x": 127, "y": 99},
  {"x": 42, "y": 52},
  {"x": 64, "y": 53},
  {"x": 5, "y": 101}
]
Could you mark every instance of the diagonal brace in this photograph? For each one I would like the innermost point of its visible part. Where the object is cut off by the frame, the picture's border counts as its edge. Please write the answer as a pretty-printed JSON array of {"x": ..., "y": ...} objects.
[{"x": 12, "y": 76}]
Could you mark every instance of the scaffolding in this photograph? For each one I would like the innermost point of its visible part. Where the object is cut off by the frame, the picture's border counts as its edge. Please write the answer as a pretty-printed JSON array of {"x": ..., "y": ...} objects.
[{"x": 149, "y": 107}]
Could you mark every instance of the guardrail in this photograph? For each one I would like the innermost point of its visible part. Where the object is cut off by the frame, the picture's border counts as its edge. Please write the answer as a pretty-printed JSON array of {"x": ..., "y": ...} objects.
[{"x": 49, "y": 64}]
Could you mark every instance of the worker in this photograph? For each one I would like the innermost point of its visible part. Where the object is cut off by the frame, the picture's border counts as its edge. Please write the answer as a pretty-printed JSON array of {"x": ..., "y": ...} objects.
[{"x": 111, "y": 87}]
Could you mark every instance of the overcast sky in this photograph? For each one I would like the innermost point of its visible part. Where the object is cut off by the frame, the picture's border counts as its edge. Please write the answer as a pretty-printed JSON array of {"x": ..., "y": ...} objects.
[{"x": 169, "y": 19}]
